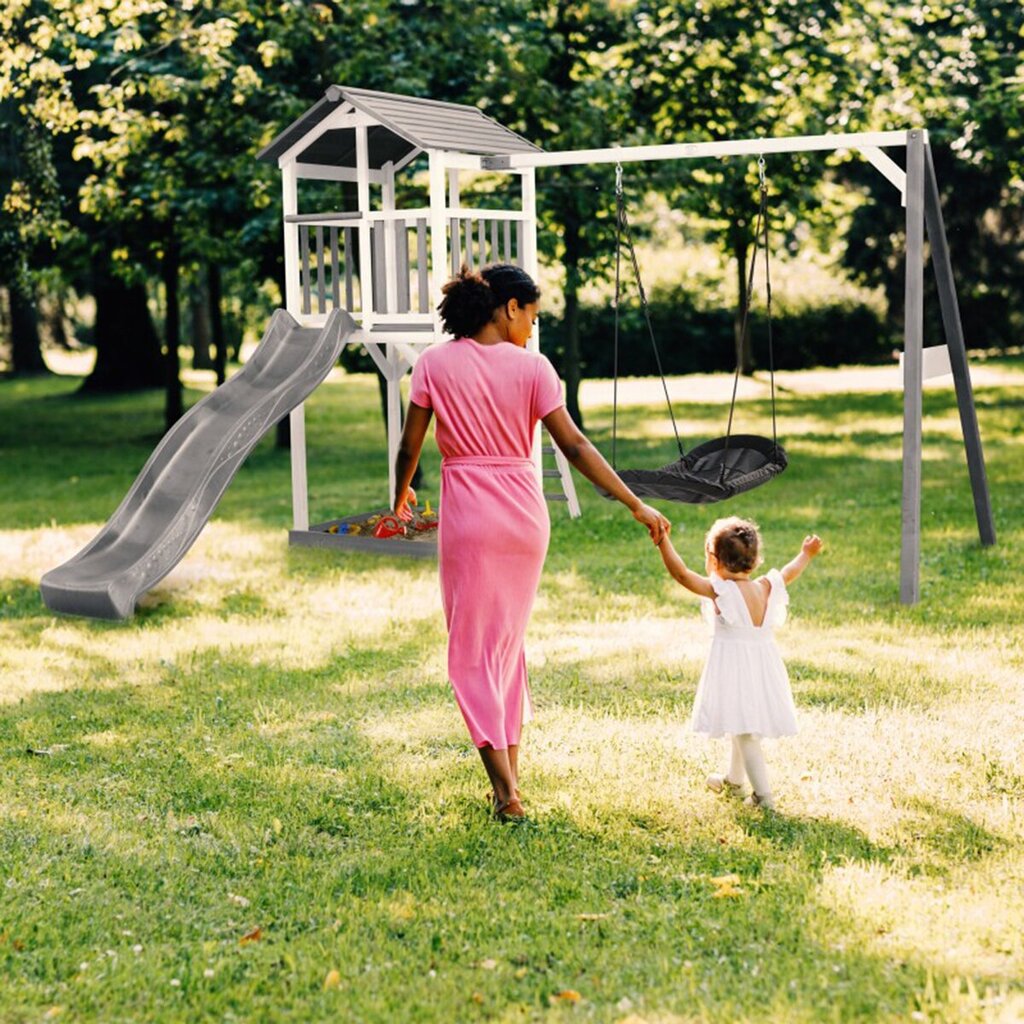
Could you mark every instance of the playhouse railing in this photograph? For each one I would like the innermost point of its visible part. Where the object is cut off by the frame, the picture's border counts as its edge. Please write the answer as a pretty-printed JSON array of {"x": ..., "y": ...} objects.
[
  {"x": 328, "y": 261},
  {"x": 478, "y": 237},
  {"x": 330, "y": 258}
]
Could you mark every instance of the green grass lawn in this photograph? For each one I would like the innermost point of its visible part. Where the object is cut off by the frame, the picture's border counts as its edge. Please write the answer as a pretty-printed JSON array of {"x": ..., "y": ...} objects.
[{"x": 256, "y": 801}]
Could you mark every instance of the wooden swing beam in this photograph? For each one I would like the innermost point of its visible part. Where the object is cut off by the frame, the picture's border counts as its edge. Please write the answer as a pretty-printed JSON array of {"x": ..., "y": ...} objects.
[{"x": 920, "y": 195}]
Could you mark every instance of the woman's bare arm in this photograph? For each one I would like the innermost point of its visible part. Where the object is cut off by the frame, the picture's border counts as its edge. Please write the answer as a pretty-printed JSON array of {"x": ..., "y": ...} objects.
[
  {"x": 576, "y": 447},
  {"x": 417, "y": 420}
]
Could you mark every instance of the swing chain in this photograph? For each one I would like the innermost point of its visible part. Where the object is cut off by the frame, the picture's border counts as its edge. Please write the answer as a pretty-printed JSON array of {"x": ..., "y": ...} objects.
[
  {"x": 624, "y": 236},
  {"x": 761, "y": 174}
]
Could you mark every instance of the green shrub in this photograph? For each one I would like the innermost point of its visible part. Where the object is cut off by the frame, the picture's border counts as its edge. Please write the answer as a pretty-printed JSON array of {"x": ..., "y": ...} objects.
[{"x": 695, "y": 340}]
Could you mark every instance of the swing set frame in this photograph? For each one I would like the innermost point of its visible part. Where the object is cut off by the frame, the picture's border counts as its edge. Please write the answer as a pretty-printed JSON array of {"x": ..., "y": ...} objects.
[{"x": 920, "y": 196}]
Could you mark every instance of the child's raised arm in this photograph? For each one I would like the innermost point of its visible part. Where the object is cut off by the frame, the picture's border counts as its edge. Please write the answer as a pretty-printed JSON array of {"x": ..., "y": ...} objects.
[
  {"x": 810, "y": 547},
  {"x": 677, "y": 570}
]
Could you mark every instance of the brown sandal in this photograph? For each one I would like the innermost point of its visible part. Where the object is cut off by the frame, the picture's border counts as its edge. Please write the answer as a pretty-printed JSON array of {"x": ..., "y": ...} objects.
[{"x": 511, "y": 810}]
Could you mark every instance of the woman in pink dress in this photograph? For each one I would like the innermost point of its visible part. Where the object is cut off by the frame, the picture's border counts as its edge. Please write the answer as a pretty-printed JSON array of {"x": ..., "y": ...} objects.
[{"x": 488, "y": 392}]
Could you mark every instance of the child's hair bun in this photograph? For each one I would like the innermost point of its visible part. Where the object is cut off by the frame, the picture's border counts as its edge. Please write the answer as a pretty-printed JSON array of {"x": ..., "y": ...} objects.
[{"x": 735, "y": 543}]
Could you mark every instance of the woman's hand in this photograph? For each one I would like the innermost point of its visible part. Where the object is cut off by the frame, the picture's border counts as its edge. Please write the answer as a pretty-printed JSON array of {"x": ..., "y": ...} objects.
[
  {"x": 417, "y": 419},
  {"x": 657, "y": 525},
  {"x": 404, "y": 499}
]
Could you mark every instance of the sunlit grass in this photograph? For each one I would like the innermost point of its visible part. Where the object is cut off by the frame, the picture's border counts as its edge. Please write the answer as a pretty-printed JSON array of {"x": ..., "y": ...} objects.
[{"x": 271, "y": 743}]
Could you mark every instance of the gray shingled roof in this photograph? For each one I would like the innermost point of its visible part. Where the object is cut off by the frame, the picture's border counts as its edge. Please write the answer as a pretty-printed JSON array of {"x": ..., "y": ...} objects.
[{"x": 406, "y": 123}]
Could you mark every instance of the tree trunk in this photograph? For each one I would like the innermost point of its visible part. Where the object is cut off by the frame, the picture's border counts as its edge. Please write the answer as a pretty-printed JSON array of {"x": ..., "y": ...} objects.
[
  {"x": 5, "y": 325},
  {"x": 220, "y": 351},
  {"x": 571, "y": 362},
  {"x": 55, "y": 319},
  {"x": 173, "y": 404},
  {"x": 202, "y": 329},
  {"x": 744, "y": 356},
  {"x": 26, "y": 351},
  {"x": 127, "y": 346}
]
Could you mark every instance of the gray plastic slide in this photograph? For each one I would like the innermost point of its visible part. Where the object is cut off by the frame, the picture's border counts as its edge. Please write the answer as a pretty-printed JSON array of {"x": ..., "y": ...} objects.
[{"x": 180, "y": 485}]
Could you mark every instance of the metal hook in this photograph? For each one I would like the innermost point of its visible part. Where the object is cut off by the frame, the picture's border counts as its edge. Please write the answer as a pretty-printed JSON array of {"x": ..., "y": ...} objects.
[
  {"x": 618, "y": 179},
  {"x": 760, "y": 172}
]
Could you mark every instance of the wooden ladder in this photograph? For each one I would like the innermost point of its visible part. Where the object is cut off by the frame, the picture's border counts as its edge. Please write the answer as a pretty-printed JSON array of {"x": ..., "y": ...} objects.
[{"x": 560, "y": 471}]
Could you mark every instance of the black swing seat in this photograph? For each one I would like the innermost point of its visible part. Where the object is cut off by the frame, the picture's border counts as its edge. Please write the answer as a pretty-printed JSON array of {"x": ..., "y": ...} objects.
[{"x": 712, "y": 471}]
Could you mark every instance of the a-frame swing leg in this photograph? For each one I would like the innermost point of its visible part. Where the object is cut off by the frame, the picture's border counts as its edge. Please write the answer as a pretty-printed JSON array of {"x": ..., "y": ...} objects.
[
  {"x": 913, "y": 344},
  {"x": 953, "y": 329},
  {"x": 923, "y": 207}
]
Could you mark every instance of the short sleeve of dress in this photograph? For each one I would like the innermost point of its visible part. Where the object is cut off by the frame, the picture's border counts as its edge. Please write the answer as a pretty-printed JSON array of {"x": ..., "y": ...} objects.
[
  {"x": 419, "y": 386},
  {"x": 547, "y": 389},
  {"x": 729, "y": 601},
  {"x": 778, "y": 599}
]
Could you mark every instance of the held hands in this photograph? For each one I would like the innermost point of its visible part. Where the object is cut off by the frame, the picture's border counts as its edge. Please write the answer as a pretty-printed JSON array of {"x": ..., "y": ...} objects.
[
  {"x": 402, "y": 502},
  {"x": 812, "y": 545},
  {"x": 657, "y": 525}
]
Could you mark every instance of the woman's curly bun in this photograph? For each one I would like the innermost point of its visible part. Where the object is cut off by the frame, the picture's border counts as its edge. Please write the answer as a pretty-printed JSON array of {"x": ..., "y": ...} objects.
[
  {"x": 467, "y": 304},
  {"x": 471, "y": 297}
]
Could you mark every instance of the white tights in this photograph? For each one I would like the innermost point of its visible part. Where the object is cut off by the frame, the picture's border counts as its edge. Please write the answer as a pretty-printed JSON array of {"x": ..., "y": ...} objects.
[{"x": 747, "y": 760}]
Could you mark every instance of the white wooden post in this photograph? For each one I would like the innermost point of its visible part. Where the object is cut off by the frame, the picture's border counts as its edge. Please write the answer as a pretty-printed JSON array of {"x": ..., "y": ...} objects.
[
  {"x": 394, "y": 361},
  {"x": 389, "y": 277},
  {"x": 398, "y": 368},
  {"x": 438, "y": 236},
  {"x": 365, "y": 245},
  {"x": 292, "y": 303},
  {"x": 456, "y": 256},
  {"x": 528, "y": 244}
]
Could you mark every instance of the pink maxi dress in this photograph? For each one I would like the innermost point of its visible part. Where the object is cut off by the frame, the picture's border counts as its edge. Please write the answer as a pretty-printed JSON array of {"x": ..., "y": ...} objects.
[{"x": 494, "y": 525}]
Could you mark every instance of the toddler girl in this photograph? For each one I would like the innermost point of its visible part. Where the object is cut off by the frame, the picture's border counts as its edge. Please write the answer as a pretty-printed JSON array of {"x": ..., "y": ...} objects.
[{"x": 744, "y": 689}]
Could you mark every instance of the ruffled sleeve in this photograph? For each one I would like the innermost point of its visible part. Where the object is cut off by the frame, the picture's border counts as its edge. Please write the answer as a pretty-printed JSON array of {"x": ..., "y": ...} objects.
[
  {"x": 731, "y": 606},
  {"x": 778, "y": 600}
]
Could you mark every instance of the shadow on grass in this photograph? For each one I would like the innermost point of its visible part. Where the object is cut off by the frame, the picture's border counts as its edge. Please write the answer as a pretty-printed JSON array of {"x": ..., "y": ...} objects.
[
  {"x": 20, "y": 599},
  {"x": 951, "y": 835},
  {"x": 246, "y": 604},
  {"x": 819, "y": 840}
]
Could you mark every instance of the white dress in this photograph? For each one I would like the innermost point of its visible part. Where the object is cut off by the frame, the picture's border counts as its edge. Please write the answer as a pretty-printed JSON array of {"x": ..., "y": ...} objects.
[{"x": 745, "y": 685}]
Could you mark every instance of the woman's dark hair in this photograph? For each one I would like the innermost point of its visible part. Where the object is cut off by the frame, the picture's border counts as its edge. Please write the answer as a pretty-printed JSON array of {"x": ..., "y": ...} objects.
[{"x": 471, "y": 297}]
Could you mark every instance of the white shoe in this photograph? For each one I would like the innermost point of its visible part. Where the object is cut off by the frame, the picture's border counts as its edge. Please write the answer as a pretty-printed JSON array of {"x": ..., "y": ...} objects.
[
  {"x": 719, "y": 783},
  {"x": 763, "y": 801}
]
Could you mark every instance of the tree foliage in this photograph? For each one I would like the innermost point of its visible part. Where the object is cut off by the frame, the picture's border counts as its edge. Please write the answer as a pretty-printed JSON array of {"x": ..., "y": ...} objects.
[{"x": 129, "y": 127}]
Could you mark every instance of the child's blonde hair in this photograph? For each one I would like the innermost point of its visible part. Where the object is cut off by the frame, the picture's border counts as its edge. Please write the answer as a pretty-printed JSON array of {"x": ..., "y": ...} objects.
[{"x": 735, "y": 544}]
